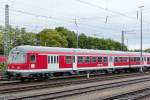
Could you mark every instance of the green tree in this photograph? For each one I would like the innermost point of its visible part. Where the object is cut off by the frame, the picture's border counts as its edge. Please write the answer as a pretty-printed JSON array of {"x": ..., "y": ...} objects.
[
  {"x": 147, "y": 50},
  {"x": 70, "y": 36},
  {"x": 82, "y": 41},
  {"x": 50, "y": 37}
]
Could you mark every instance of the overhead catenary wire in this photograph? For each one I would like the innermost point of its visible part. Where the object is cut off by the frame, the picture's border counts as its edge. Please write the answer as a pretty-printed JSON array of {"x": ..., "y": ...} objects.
[
  {"x": 50, "y": 17},
  {"x": 37, "y": 15},
  {"x": 108, "y": 10}
]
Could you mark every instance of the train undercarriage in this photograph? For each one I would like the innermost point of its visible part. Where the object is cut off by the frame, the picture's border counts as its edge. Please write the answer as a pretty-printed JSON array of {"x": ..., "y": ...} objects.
[{"x": 27, "y": 76}]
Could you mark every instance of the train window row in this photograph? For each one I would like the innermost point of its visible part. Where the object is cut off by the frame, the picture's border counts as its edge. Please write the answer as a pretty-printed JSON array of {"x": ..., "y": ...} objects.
[
  {"x": 121, "y": 59},
  {"x": 134, "y": 59},
  {"x": 89, "y": 59},
  {"x": 126, "y": 59}
]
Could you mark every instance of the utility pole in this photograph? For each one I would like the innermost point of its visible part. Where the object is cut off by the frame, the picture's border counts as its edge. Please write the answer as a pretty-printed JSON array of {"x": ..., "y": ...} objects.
[
  {"x": 122, "y": 37},
  {"x": 122, "y": 40},
  {"x": 141, "y": 26},
  {"x": 77, "y": 32},
  {"x": 141, "y": 31},
  {"x": 6, "y": 33},
  {"x": 127, "y": 43}
]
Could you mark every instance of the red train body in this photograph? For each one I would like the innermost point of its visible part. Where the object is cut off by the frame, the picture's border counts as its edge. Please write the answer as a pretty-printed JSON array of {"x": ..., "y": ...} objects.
[
  {"x": 33, "y": 61},
  {"x": 3, "y": 59}
]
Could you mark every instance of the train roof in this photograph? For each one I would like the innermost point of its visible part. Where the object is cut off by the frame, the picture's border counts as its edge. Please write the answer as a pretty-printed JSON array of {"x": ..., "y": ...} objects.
[{"x": 28, "y": 48}]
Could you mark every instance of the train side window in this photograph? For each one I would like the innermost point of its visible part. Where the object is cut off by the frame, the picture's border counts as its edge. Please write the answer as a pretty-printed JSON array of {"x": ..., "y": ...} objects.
[
  {"x": 144, "y": 58},
  {"x": 57, "y": 60},
  {"x": 116, "y": 59},
  {"x": 135, "y": 59},
  {"x": 88, "y": 59},
  {"x": 105, "y": 59},
  {"x": 121, "y": 59},
  {"x": 48, "y": 59},
  {"x": 80, "y": 59},
  {"x": 73, "y": 59},
  {"x": 54, "y": 59},
  {"x": 32, "y": 58},
  {"x": 68, "y": 59},
  {"x": 51, "y": 59},
  {"x": 126, "y": 58},
  {"x": 131, "y": 59},
  {"x": 138, "y": 58},
  {"x": 93, "y": 59},
  {"x": 99, "y": 59}
]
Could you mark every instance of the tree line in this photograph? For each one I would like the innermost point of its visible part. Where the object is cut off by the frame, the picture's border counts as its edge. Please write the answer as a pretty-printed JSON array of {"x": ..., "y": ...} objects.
[{"x": 58, "y": 37}]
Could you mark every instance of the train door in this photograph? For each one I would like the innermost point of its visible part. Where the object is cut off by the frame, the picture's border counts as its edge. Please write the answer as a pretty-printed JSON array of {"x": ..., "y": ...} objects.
[
  {"x": 111, "y": 61},
  {"x": 32, "y": 61},
  {"x": 74, "y": 62},
  {"x": 53, "y": 62},
  {"x": 145, "y": 61}
]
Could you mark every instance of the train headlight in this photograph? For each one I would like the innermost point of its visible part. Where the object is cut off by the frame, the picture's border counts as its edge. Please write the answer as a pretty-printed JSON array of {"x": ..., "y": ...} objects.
[{"x": 32, "y": 65}]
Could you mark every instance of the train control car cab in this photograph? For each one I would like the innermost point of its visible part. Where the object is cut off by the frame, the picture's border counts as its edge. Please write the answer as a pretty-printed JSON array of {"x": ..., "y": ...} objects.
[
  {"x": 17, "y": 62},
  {"x": 22, "y": 62}
]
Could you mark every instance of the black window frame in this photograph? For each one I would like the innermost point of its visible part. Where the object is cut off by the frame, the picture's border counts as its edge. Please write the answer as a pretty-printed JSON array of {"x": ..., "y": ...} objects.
[
  {"x": 80, "y": 61},
  {"x": 120, "y": 59},
  {"x": 88, "y": 60},
  {"x": 51, "y": 60},
  {"x": 68, "y": 59},
  {"x": 34, "y": 58},
  {"x": 54, "y": 59},
  {"x": 73, "y": 59},
  {"x": 105, "y": 59},
  {"x": 93, "y": 59},
  {"x": 147, "y": 59},
  {"x": 100, "y": 59},
  {"x": 57, "y": 59},
  {"x": 116, "y": 59}
]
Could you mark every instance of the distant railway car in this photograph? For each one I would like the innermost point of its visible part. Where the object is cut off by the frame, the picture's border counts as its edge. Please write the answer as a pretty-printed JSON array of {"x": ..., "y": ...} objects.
[
  {"x": 44, "y": 62},
  {"x": 3, "y": 59}
]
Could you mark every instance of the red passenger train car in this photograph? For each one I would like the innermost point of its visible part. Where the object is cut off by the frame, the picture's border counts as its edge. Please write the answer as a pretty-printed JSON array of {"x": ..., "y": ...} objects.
[
  {"x": 43, "y": 62},
  {"x": 3, "y": 59}
]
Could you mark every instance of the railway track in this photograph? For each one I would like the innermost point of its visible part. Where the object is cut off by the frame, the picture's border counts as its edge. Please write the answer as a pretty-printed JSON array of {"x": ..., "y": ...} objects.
[
  {"x": 81, "y": 90},
  {"x": 70, "y": 78},
  {"x": 28, "y": 86},
  {"x": 5, "y": 82},
  {"x": 17, "y": 87},
  {"x": 134, "y": 95}
]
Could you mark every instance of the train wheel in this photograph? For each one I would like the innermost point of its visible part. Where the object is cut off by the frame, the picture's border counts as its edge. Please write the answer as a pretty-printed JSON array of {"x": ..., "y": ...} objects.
[
  {"x": 23, "y": 79},
  {"x": 106, "y": 71},
  {"x": 46, "y": 76}
]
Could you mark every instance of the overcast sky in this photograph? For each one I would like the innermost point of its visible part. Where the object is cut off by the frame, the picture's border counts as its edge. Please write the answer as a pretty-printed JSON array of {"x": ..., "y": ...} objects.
[{"x": 90, "y": 16}]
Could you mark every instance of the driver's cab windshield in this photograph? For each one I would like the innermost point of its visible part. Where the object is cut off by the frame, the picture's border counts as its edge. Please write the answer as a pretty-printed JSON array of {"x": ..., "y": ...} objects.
[{"x": 17, "y": 57}]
